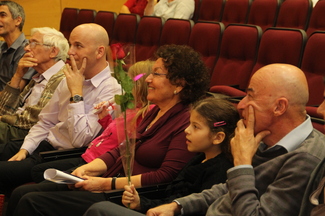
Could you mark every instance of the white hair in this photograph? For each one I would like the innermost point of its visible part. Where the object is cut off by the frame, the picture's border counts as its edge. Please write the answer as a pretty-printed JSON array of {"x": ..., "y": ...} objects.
[{"x": 54, "y": 38}]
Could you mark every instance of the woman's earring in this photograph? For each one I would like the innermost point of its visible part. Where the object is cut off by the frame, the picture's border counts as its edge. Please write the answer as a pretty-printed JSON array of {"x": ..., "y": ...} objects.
[{"x": 175, "y": 92}]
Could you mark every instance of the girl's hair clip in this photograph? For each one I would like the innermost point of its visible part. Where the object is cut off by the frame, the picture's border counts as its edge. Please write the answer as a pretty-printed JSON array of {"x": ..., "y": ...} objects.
[
  {"x": 220, "y": 123},
  {"x": 138, "y": 76}
]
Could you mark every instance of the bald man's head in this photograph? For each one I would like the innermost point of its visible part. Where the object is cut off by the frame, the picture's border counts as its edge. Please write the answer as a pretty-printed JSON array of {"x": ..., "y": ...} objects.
[
  {"x": 96, "y": 33},
  {"x": 284, "y": 80}
]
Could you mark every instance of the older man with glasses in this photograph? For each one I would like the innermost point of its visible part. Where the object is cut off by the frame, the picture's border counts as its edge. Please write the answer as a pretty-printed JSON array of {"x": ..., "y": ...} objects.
[{"x": 46, "y": 52}]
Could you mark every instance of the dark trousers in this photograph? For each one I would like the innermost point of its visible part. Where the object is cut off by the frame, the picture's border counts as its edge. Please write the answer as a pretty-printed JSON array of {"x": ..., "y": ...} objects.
[
  {"x": 49, "y": 198},
  {"x": 15, "y": 173},
  {"x": 68, "y": 164},
  {"x": 107, "y": 208}
]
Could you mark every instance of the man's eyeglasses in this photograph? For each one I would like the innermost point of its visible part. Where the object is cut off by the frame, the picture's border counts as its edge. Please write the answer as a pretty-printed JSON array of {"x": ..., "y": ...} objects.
[{"x": 34, "y": 43}]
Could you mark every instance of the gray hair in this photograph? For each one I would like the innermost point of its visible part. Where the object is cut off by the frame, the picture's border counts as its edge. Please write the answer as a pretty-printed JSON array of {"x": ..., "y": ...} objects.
[
  {"x": 16, "y": 11},
  {"x": 54, "y": 38}
]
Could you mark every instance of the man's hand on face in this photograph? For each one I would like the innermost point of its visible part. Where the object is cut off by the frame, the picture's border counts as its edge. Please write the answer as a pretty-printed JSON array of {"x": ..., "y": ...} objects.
[
  {"x": 24, "y": 64},
  {"x": 75, "y": 76},
  {"x": 244, "y": 144}
]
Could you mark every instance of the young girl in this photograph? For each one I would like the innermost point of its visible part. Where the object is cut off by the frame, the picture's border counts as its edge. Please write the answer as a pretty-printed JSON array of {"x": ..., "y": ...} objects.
[
  {"x": 212, "y": 124},
  {"x": 108, "y": 139}
]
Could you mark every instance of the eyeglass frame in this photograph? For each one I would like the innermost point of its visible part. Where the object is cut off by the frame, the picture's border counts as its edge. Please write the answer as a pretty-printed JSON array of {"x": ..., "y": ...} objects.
[
  {"x": 34, "y": 43},
  {"x": 156, "y": 74}
]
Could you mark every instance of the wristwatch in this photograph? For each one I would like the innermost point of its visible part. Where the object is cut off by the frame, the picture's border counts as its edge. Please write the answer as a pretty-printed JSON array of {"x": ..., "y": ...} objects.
[{"x": 76, "y": 98}]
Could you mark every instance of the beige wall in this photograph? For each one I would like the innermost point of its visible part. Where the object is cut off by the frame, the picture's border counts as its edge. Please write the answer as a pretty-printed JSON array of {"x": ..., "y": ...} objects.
[{"x": 40, "y": 13}]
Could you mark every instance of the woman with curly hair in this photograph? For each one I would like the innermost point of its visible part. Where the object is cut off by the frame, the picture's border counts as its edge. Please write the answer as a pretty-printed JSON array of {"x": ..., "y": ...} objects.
[{"x": 178, "y": 79}]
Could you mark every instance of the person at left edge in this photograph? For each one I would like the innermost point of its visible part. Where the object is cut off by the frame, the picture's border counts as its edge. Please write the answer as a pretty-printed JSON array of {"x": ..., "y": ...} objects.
[{"x": 12, "y": 19}]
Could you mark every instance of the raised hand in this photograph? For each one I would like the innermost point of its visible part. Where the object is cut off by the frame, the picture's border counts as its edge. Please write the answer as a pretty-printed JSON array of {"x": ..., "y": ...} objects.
[
  {"x": 75, "y": 76},
  {"x": 24, "y": 63},
  {"x": 244, "y": 144}
]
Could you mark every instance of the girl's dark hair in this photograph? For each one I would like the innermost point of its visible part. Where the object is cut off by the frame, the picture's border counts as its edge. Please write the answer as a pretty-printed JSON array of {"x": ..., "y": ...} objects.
[
  {"x": 185, "y": 68},
  {"x": 219, "y": 110}
]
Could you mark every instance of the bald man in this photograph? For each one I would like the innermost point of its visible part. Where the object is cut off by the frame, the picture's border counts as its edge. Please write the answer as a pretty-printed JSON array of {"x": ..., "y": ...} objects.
[
  {"x": 275, "y": 149},
  {"x": 67, "y": 121}
]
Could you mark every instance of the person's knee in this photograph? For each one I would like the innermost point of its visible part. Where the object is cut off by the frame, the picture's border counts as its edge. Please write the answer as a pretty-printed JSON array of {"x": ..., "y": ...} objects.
[
  {"x": 27, "y": 204},
  {"x": 37, "y": 173},
  {"x": 20, "y": 191},
  {"x": 97, "y": 209}
]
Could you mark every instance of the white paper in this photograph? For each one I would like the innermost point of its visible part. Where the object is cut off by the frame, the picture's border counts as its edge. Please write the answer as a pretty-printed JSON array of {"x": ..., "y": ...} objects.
[{"x": 60, "y": 177}]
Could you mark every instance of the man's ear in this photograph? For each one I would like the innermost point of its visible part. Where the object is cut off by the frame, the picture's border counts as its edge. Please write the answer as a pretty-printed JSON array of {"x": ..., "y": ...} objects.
[
  {"x": 18, "y": 20},
  {"x": 281, "y": 106},
  {"x": 101, "y": 51},
  {"x": 54, "y": 52},
  {"x": 218, "y": 138}
]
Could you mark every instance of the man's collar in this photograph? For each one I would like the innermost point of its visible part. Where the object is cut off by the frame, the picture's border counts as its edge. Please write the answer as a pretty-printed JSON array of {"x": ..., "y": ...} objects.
[
  {"x": 20, "y": 41},
  {"x": 98, "y": 78},
  {"x": 295, "y": 137}
]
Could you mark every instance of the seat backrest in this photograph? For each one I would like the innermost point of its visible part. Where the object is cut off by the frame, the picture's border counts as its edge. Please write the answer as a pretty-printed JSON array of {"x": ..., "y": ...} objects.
[
  {"x": 237, "y": 56},
  {"x": 211, "y": 10},
  {"x": 317, "y": 18},
  {"x": 281, "y": 45},
  {"x": 86, "y": 16},
  {"x": 125, "y": 28},
  {"x": 205, "y": 38},
  {"x": 68, "y": 20},
  {"x": 264, "y": 13},
  {"x": 236, "y": 11},
  {"x": 294, "y": 14},
  {"x": 176, "y": 31},
  {"x": 107, "y": 20},
  {"x": 314, "y": 68},
  {"x": 148, "y": 37},
  {"x": 196, "y": 10}
]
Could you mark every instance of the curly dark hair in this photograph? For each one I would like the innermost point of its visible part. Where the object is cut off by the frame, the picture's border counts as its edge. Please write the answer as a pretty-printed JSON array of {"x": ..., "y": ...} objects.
[
  {"x": 217, "y": 110},
  {"x": 185, "y": 68}
]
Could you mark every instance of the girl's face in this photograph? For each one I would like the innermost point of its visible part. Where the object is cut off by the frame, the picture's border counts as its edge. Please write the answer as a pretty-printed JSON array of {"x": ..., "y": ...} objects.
[{"x": 198, "y": 134}]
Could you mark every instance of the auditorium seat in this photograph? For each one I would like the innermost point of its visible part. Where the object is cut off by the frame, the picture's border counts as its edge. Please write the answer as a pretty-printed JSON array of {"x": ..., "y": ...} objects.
[
  {"x": 68, "y": 20},
  {"x": 264, "y": 13},
  {"x": 176, "y": 31},
  {"x": 294, "y": 14},
  {"x": 125, "y": 28},
  {"x": 148, "y": 37},
  {"x": 317, "y": 18},
  {"x": 196, "y": 10},
  {"x": 314, "y": 67},
  {"x": 205, "y": 38},
  {"x": 107, "y": 20},
  {"x": 238, "y": 52},
  {"x": 281, "y": 45},
  {"x": 312, "y": 111},
  {"x": 86, "y": 16},
  {"x": 211, "y": 10},
  {"x": 236, "y": 11},
  {"x": 316, "y": 118}
]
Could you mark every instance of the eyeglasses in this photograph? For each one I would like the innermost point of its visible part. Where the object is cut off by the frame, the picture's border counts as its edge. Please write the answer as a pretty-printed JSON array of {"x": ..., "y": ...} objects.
[
  {"x": 156, "y": 74},
  {"x": 34, "y": 43}
]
